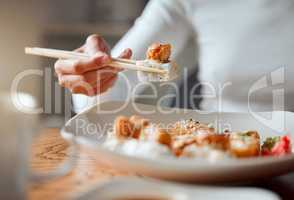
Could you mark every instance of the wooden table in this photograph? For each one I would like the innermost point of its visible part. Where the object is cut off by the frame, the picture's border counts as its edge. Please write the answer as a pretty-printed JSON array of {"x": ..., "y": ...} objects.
[{"x": 50, "y": 150}]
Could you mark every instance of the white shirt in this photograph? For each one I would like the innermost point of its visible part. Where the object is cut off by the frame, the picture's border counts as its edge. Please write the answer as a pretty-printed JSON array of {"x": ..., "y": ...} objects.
[{"x": 239, "y": 41}]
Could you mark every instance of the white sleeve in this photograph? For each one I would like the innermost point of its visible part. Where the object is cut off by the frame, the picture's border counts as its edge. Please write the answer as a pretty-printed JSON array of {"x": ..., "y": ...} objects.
[{"x": 161, "y": 21}]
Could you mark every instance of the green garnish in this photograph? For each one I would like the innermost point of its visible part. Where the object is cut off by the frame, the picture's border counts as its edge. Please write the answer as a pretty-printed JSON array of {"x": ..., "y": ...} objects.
[{"x": 270, "y": 142}]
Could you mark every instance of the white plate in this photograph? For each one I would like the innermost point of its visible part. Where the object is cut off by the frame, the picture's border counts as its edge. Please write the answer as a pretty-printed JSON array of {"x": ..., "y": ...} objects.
[
  {"x": 146, "y": 189},
  {"x": 90, "y": 127}
]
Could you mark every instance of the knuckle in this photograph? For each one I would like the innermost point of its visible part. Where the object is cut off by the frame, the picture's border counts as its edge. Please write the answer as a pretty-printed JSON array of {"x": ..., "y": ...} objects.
[{"x": 94, "y": 38}]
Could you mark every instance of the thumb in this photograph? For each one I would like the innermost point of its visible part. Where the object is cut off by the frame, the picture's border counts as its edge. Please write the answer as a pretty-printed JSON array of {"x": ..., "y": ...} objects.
[{"x": 127, "y": 54}]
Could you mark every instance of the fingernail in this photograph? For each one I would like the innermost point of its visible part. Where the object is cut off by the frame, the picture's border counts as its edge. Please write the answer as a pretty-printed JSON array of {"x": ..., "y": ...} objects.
[{"x": 126, "y": 53}]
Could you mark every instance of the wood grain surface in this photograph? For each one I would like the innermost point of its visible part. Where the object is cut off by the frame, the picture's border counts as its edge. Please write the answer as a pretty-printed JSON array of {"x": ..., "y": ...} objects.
[{"x": 50, "y": 150}]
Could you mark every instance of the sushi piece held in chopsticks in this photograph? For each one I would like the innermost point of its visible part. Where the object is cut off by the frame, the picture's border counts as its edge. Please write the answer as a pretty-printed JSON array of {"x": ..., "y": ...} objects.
[
  {"x": 156, "y": 68},
  {"x": 158, "y": 56}
]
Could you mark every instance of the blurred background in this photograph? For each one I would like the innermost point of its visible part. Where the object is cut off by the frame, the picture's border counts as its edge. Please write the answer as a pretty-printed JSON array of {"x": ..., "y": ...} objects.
[{"x": 63, "y": 25}]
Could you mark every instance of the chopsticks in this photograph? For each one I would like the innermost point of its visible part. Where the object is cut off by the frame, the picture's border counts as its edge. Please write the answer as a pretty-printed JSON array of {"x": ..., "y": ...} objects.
[{"x": 116, "y": 62}]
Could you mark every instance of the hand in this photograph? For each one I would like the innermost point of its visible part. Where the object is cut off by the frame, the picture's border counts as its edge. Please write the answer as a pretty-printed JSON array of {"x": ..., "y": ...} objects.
[{"x": 89, "y": 76}]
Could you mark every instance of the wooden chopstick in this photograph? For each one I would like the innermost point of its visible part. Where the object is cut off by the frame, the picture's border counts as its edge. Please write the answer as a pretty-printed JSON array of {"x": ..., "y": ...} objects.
[
  {"x": 116, "y": 62},
  {"x": 124, "y": 60}
]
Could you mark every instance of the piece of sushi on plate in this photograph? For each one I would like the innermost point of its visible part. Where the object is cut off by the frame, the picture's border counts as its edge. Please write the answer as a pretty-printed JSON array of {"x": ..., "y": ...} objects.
[{"x": 189, "y": 139}]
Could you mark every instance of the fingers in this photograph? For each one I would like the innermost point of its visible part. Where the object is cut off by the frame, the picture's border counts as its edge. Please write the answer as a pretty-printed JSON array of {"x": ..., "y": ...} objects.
[
  {"x": 97, "y": 81},
  {"x": 127, "y": 54},
  {"x": 96, "y": 47},
  {"x": 85, "y": 88},
  {"x": 69, "y": 80},
  {"x": 94, "y": 44},
  {"x": 71, "y": 66},
  {"x": 89, "y": 76},
  {"x": 93, "y": 77},
  {"x": 105, "y": 85}
]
